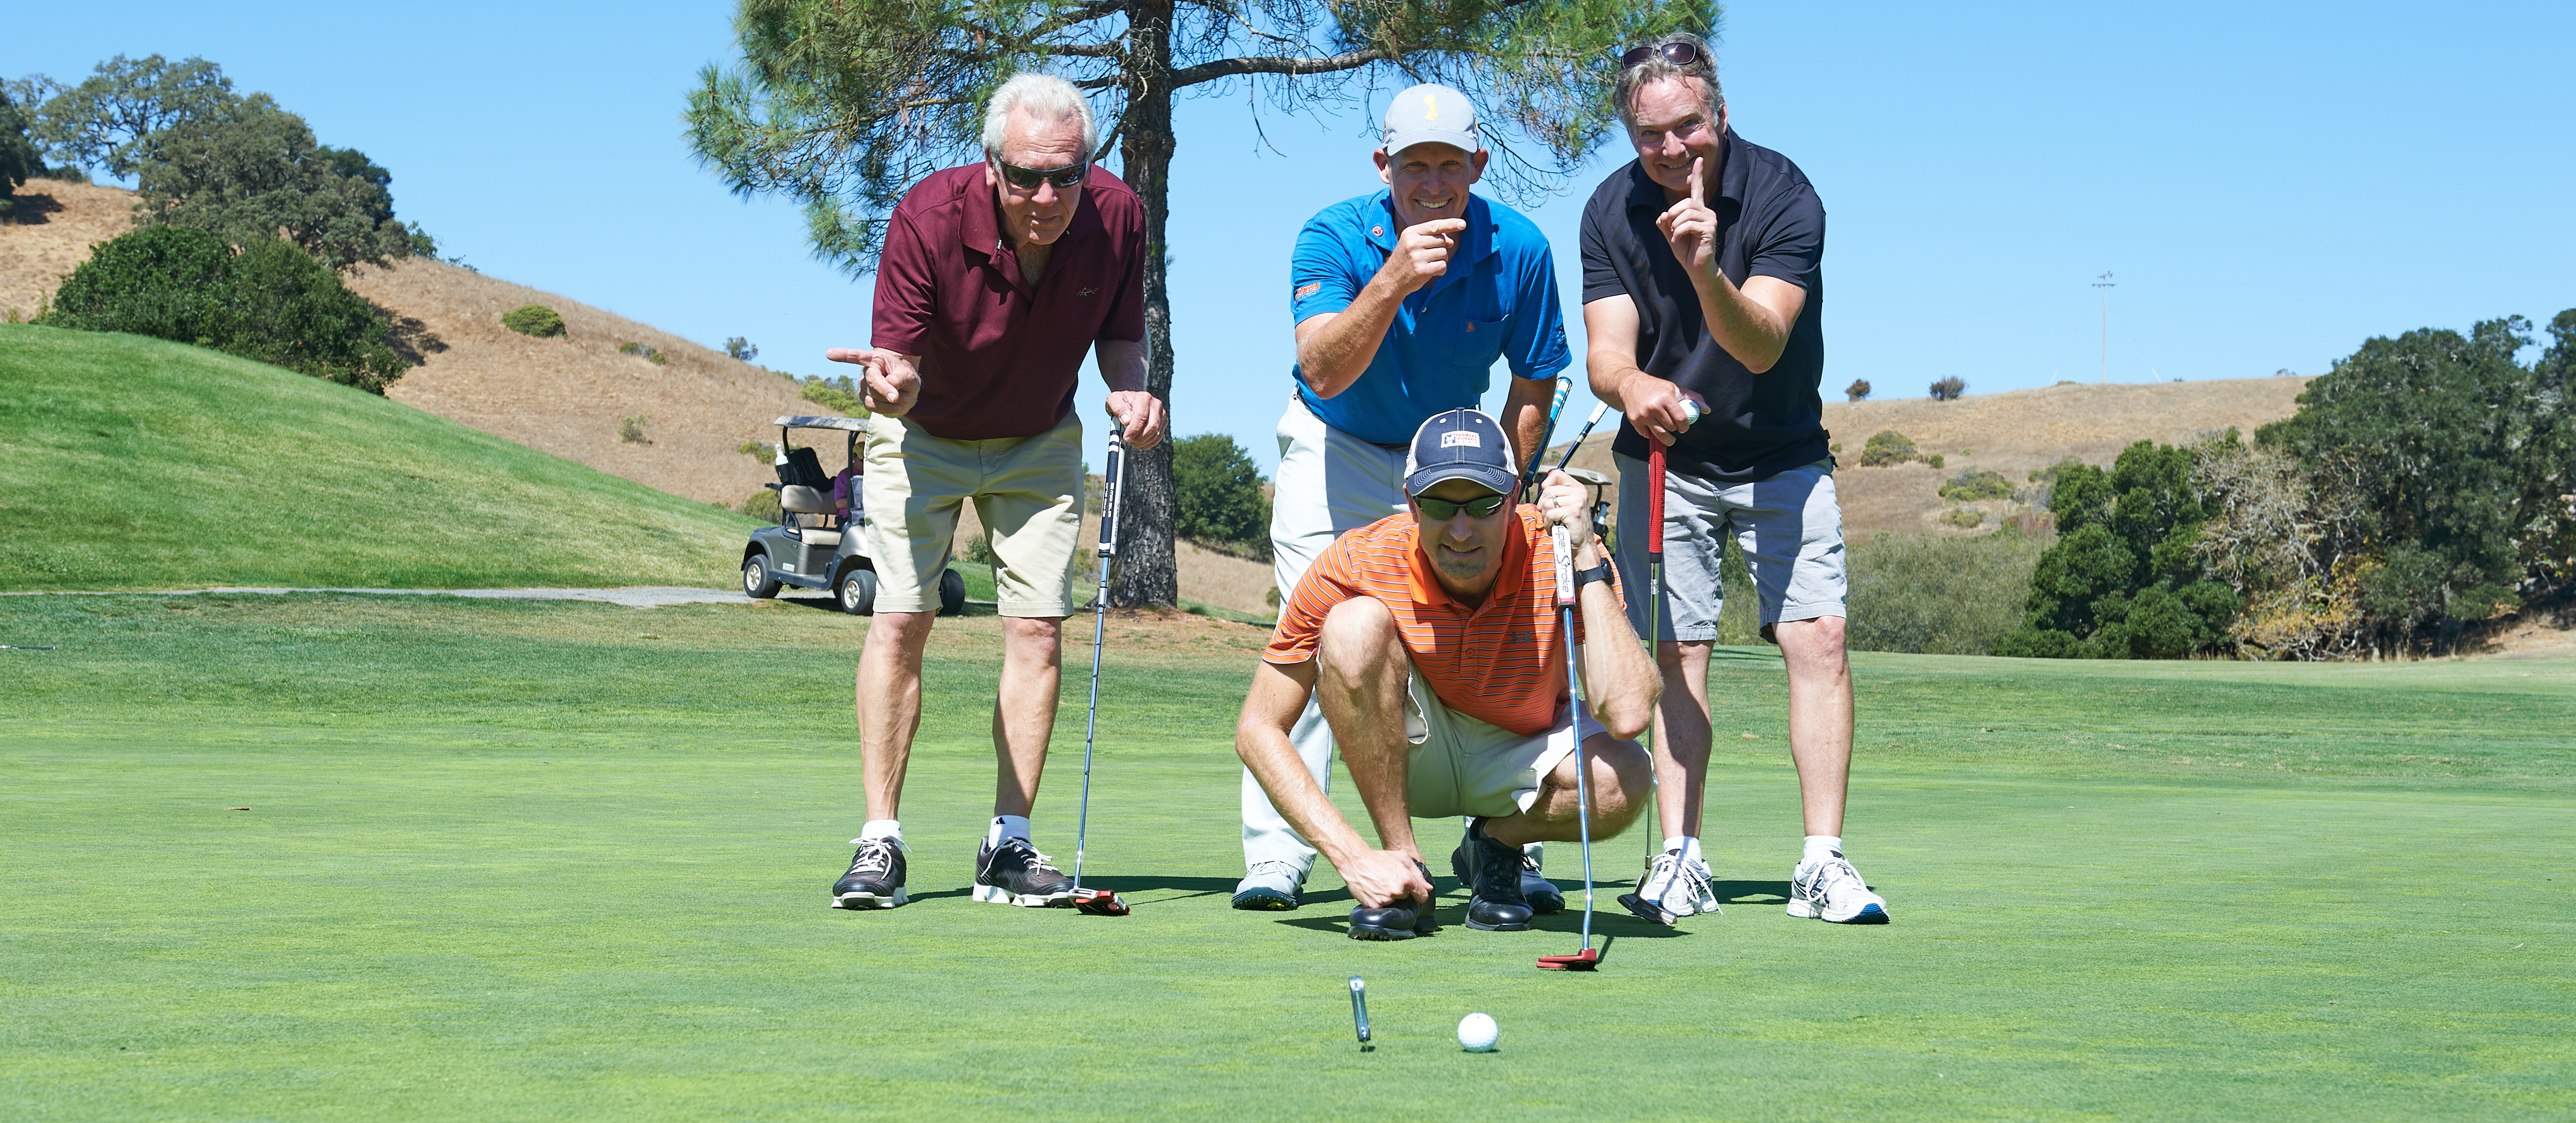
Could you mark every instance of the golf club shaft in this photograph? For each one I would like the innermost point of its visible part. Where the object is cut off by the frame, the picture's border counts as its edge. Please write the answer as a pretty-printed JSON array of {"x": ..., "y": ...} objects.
[
  {"x": 1529, "y": 475},
  {"x": 1654, "y": 631},
  {"x": 1565, "y": 606},
  {"x": 1588, "y": 423},
  {"x": 1111, "y": 478}
]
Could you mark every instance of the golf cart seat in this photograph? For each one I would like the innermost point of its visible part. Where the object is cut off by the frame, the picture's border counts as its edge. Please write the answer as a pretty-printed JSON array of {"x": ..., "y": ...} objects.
[{"x": 814, "y": 509}]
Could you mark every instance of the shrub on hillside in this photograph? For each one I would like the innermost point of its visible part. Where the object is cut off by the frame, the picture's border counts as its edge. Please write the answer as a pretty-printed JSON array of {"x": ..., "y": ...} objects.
[
  {"x": 644, "y": 351},
  {"x": 533, "y": 319},
  {"x": 1948, "y": 389},
  {"x": 1973, "y": 485},
  {"x": 271, "y": 302},
  {"x": 631, "y": 430},
  {"x": 840, "y": 395},
  {"x": 1218, "y": 492},
  {"x": 20, "y": 160},
  {"x": 2125, "y": 578},
  {"x": 1858, "y": 390},
  {"x": 761, "y": 504},
  {"x": 1938, "y": 595},
  {"x": 1965, "y": 518},
  {"x": 1886, "y": 447},
  {"x": 741, "y": 348}
]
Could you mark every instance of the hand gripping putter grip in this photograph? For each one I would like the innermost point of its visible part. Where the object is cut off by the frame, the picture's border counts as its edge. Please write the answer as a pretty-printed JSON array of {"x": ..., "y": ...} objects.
[
  {"x": 1589, "y": 958},
  {"x": 1113, "y": 477}
]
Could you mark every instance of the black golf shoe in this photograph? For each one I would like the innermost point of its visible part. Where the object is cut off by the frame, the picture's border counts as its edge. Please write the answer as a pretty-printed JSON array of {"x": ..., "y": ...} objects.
[
  {"x": 1400, "y": 920},
  {"x": 1492, "y": 871},
  {"x": 875, "y": 880},
  {"x": 1543, "y": 895},
  {"x": 1014, "y": 873}
]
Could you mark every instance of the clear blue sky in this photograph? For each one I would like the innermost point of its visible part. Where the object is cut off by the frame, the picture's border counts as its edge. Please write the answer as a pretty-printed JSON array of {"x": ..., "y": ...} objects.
[{"x": 2270, "y": 184}]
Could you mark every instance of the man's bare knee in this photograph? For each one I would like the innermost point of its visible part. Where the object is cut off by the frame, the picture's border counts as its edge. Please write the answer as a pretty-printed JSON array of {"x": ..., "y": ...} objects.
[
  {"x": 1359, "y": 640},
  {"x": 1809, "y": 646}
]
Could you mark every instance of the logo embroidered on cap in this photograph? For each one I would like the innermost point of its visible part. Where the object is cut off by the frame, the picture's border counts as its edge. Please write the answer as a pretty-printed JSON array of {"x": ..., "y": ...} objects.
[
  {"x": 1308, "y": 289},
  {"x": 1460, "y": 437},
  {"x": 1430, "y": 107},
  {"x": 1087, "y": 292}
]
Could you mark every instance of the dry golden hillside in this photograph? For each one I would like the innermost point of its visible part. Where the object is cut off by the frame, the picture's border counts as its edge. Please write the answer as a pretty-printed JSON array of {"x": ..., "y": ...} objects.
[
  {"x": 2014, "y": 433},
  {"x": 568, "y": 395}
]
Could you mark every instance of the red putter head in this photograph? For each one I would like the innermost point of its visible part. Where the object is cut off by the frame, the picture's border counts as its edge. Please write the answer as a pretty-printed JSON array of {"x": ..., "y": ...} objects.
[
  {"x": 1098, "y": 902},
  {"x": 1589, "y": 959}
]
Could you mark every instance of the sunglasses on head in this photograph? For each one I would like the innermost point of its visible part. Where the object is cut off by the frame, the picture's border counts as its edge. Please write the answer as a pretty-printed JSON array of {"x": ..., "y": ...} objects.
[
  {"x": 1442, "y": 510},
  {"x": 1027, "y": 179},
  {"x": 1678, "y": 54}
]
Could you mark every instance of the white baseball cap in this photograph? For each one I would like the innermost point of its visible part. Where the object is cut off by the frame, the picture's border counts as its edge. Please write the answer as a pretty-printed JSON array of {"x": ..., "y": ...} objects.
[{"x": 1430, "y": 114}]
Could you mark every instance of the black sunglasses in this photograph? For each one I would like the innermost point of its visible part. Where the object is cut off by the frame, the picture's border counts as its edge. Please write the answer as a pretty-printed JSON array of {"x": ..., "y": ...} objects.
[
  {"x": 1027, "y": 179},
  {"x": 1678, "y": 54},
  {"x": 1442, "y": 510}
]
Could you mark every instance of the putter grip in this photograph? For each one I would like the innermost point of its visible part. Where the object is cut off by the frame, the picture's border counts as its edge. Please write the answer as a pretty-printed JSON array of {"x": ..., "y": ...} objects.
[
  {"x": 1112, "y": 478},
  {"x": 1564, "y": 565},
  {"x": 1655, "y": 499}
]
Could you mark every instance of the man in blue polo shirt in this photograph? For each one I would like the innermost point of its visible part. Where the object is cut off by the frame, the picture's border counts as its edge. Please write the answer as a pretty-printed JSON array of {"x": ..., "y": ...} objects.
[{"x": 1403, "y": 299}]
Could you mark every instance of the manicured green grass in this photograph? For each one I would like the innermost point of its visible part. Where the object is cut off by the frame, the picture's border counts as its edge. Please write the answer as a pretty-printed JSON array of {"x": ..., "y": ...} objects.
[
  {"x": 515, "y": 860},
  {"x": 134, "y": 463}
]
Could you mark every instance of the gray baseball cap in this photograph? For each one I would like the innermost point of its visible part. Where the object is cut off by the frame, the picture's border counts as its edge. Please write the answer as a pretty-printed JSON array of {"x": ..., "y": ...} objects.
[{"x": 1427, "y": 114}]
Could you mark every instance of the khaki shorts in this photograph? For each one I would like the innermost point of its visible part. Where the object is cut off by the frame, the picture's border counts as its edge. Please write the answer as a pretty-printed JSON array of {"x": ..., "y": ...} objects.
[
  {"x": 1027, "y": 490},
  {"x": 1463, "y": 766}
]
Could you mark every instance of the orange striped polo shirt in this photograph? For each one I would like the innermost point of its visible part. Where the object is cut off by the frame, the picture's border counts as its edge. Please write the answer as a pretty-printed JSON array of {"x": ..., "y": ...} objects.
[{"x": 1501, "y": 662}]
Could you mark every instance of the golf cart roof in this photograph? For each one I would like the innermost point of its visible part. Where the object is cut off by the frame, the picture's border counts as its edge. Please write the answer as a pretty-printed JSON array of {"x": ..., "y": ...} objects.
[{"x": 853, "y": 424}]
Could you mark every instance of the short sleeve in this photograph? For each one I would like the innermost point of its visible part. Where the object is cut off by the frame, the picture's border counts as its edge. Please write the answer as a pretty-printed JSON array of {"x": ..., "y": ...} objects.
[
  {"x": 1301, "y": 619},
  {"x": 1793, "y": 243},
  {"x": 1126, "y": 318},
  {"x": 1537, "y": 348},
  {"x": 907, "y": 301},
  {"x": 1319, "y": 272},
  {"x": 1600, "y": 269}
]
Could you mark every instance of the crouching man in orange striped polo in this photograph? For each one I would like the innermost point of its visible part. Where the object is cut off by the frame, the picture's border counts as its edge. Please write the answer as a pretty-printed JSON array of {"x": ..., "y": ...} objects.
[{"x": 1432, "y": 637}]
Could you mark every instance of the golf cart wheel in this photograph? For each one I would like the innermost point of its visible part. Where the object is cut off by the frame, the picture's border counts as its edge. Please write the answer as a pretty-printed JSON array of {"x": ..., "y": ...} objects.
[
  {"x": 952, "y": 593},
  {"x": 857, "y": 592},
  {"x": 756, "y": 581}
]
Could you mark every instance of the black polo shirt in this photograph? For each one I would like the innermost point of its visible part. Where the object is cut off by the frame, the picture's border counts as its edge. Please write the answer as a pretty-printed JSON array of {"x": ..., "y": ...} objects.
[{"x": 1770, "y": 224}]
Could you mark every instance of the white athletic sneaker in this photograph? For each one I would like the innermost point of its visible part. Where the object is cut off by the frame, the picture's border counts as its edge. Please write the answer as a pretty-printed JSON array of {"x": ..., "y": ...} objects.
[
  {"x": 1832, "y": 890},
  {"x": 1706, "y": 883},
  {"x": 1670, "y": 890}
]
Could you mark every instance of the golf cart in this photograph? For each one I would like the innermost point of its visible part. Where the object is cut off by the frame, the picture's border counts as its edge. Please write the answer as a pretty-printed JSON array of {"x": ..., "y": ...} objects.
[{"x": 814, "y": 546}]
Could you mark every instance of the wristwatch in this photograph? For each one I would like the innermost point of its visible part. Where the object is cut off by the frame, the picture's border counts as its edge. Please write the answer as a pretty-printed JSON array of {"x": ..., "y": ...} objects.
[{"x": 1585, "y": 577}]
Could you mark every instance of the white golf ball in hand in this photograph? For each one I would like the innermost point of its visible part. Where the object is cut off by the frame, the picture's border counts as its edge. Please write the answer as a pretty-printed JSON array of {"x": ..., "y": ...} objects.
[{"x": 1476, "y": 1033}]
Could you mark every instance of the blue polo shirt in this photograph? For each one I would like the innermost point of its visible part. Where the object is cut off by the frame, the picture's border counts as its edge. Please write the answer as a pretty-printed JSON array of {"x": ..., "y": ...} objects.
[{"x": 1498, "y": 300}]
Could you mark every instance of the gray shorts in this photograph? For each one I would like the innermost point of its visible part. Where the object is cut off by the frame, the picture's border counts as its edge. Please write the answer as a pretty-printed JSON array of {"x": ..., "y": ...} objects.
[{"x": 1789, "y": 526}]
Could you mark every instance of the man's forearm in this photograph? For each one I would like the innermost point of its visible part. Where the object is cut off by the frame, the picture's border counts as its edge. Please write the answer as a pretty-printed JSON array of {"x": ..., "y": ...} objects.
[
  {"x": 1525, "y": 415},
  {"x": 1750, "y": 332},
  {"x": 1277, "y": 696},
  {"x": 1618, "y": 668},
  {"x": 1122, "y": 363},
  {"x": 1337, "y": 353}
]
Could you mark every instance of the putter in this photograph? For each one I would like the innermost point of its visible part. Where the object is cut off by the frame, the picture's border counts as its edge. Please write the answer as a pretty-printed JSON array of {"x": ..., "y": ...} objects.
[
  {"x": 1529, "y": 476},
  {"x": 1359, "y": 1012},
  {"x": 1633, "y": 902},
  {"x": 1100, "y": 902},
  {"x": 1589, "y": 958}
]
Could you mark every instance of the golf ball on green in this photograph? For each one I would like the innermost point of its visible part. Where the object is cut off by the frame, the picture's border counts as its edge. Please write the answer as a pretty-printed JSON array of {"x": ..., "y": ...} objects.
[{"x": 1477, "y": 1032}]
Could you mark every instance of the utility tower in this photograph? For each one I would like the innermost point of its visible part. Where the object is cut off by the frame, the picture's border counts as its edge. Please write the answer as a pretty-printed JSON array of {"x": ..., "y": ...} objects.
[{"x": 2106, "y": 286}]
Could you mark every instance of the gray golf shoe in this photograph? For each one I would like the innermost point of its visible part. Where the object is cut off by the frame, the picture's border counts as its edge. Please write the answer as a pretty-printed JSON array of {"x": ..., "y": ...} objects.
[{"x": 1270, "y": 887}]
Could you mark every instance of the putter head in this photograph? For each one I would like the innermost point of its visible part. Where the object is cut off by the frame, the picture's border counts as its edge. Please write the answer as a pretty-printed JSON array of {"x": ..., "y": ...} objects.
[
  {"x": 1586, "y": 960},
  {"x": 1648, "y": 910},
  {"x": 1098, "y": 902}
]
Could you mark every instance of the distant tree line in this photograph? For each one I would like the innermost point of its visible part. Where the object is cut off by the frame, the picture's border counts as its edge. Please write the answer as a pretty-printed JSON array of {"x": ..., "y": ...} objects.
[
  {"x": 2426, "y": 484},
  {"x": 245, "y": 179}
]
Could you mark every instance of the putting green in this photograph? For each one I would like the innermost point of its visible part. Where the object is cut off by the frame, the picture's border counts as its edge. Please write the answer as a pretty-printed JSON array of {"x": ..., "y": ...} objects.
[{"x": 565, "y": 860}]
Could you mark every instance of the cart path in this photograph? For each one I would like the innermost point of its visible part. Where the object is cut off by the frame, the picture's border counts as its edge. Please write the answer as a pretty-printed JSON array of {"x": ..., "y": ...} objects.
[{"x": 640, "y": 596}]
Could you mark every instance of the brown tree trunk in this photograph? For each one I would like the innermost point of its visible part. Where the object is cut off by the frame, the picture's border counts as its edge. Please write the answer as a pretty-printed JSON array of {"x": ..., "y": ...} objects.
[{"x": 1146, "y": 571}]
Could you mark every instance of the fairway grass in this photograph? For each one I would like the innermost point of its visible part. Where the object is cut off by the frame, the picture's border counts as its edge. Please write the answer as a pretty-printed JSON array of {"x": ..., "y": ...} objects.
[{"x": 517, "y": 860}]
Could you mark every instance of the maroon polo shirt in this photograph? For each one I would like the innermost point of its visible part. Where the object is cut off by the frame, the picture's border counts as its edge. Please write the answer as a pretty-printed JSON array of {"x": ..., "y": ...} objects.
[{"x": 998, "y": 358}]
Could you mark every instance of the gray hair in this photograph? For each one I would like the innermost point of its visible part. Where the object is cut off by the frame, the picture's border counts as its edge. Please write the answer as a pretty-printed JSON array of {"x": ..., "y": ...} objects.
[
  {"x": 1623, "y": 93},
  {"x": 1046, "y": 97}
]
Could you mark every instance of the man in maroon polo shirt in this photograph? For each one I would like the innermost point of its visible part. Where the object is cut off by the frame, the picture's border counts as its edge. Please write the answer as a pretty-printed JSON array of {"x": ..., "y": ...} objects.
[{"x": 995, "y": 280}]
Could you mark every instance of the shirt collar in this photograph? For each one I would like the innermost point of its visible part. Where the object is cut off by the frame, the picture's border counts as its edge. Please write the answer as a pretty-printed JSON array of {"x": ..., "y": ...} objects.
[
  {"x": 981, "y": 231},
  {"x": 1385, "y": 228},
  {"x": 1425, "y": 585}
]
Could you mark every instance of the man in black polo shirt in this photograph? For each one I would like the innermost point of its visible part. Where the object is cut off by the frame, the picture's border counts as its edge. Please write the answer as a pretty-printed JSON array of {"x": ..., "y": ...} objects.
[{"x": 1702, "y": 280}]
